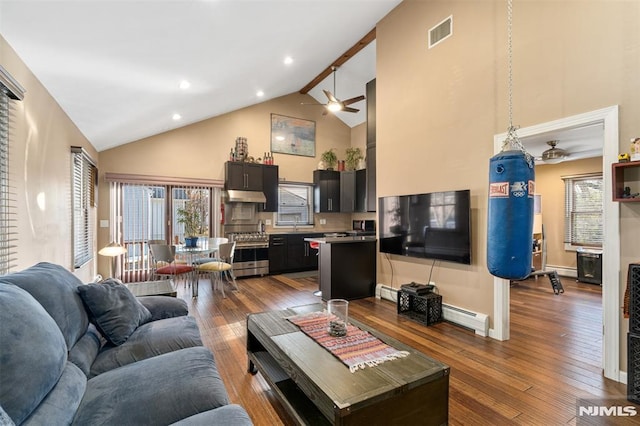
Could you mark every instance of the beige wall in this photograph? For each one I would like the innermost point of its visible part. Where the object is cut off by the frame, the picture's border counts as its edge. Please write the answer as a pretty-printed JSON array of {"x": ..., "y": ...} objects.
[
  {"x": 550, "y": 186},
  {"x": 40, "y": 166},
  {"x": 438, "y": 109}
]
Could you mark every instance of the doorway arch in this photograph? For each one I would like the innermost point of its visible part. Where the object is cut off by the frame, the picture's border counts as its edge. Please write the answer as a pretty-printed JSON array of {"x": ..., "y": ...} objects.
[{"x": 608, "y": 117}]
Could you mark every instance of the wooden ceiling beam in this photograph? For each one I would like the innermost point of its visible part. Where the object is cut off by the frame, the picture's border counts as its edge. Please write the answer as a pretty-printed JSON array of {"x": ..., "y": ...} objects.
[{"x": 361, "y": 44}]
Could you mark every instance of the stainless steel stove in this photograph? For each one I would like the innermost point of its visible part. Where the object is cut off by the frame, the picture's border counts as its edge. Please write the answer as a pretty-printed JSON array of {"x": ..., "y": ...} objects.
[{"x": 252, "y": 253}]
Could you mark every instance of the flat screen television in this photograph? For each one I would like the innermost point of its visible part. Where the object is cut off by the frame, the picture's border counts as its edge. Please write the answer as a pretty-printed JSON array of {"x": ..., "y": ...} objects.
[{"x": 436, "y": 225}]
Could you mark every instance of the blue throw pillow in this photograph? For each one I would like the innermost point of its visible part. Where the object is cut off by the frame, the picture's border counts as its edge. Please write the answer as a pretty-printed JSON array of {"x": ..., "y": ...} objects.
[{"x": 114, "y": 310}]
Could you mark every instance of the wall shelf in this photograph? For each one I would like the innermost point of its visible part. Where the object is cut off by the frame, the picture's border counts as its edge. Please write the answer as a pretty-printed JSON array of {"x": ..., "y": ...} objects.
[{"x": 626, "y": 175}]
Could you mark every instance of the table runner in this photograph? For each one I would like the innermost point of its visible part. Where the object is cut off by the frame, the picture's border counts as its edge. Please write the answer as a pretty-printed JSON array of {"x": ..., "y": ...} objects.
[{"x": 357, "y": 350}]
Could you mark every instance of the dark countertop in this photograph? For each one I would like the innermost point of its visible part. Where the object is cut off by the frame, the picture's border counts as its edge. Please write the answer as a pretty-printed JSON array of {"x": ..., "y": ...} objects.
[{"x": 339, "y": 240}]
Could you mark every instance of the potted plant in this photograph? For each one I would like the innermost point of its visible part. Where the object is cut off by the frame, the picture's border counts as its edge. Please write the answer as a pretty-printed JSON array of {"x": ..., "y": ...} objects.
[
  {"x": 354, "y": 155},
  {"x": 191, "y": 216},
  {"x": 329, "y": 158}
]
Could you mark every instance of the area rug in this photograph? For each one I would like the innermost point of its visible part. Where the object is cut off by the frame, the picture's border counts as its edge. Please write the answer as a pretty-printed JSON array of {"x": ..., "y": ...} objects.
[{"x": 357, "y": 350}]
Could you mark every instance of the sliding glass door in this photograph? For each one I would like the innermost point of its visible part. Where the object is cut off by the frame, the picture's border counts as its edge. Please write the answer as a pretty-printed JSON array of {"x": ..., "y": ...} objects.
[{"x": 144, "y": 212}]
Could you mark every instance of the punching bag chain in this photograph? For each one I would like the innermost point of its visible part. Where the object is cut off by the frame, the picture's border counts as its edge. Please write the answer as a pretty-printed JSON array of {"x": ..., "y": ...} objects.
[{"x": 512, "y": 141}]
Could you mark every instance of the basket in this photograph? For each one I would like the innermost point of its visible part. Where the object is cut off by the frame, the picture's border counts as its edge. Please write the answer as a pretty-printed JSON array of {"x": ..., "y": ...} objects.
[{"x": 425, "y": 309}]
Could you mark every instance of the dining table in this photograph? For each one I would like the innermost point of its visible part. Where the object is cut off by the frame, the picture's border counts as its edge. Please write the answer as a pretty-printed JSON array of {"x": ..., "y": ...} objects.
[{"x": 190, "y": 254}]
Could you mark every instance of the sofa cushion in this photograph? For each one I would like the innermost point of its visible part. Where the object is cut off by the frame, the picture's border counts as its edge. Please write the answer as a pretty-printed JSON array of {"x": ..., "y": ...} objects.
[
  {"x": 33, "y": 353},
  {"x": 151, "y": 339},
  {"x": 60, "y": 405},
  {"x": 231, "y": 414},
  {"x": 162, "y": 307},
  {"x": 85, "y": 351},
  {"x": 113, "y": 309},
  {"x": 54, "y": 287},
  {"x": 159, "y": 390}
]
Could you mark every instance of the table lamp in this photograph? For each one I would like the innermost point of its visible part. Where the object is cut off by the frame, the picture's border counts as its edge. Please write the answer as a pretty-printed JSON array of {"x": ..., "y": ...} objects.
[{"x": 113, "y": 250}]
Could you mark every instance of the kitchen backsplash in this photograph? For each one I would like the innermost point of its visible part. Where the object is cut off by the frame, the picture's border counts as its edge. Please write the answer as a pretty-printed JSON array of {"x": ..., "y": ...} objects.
[{"x": 332, "y": 222}]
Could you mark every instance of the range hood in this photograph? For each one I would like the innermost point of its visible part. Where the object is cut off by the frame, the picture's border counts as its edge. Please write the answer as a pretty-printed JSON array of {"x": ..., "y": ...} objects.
[{"x": 236, "y": 196}]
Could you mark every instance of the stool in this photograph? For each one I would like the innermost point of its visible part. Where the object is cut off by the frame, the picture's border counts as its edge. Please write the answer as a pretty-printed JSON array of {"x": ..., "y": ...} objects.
[{"x": 316, "y": 246}]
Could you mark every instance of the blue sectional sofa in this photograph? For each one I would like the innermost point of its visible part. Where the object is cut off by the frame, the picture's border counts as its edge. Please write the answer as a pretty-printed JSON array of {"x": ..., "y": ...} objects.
[{"x": 74, "y": 353}]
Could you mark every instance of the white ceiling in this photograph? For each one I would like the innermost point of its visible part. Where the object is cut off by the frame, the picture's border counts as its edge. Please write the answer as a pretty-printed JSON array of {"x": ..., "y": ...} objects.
[
  {"x": 115, "y": 66},
  {"x": 581, "y": 142}
]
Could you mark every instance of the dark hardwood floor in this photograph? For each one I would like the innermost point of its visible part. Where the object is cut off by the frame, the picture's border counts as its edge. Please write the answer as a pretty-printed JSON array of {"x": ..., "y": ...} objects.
[{"x": 553, "y": 356}]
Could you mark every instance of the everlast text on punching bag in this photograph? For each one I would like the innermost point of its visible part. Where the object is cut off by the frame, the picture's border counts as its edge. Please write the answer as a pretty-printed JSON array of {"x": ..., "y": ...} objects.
[{"x": 510, "y": 219}]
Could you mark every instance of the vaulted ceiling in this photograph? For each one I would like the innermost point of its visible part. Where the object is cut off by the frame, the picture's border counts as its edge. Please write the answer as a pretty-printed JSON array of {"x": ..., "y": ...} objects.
[{"x": 116, "y": 67}]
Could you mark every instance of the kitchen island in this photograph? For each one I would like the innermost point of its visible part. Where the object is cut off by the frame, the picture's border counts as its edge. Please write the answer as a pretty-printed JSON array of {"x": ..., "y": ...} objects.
[{"x": 346, "y": 266}]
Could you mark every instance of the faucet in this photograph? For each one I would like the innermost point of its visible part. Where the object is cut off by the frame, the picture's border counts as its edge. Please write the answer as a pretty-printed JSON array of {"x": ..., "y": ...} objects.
[{"x": 295, "y": 222}]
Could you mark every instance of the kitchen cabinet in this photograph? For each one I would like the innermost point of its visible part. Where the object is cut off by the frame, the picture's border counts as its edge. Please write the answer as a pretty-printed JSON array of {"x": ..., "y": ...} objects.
[
  {"x": 371, "y": 200},
  {"x": 626, "y": 175},
  {"x": 290, "y": 253},
  {"x": 270, "y": 187},
  {"x": 277, "y": 254},
  {"x": 326, "y": 191},
  {"x": 301, "y": 256},
  {"x": 353, "y": 191},
  {"x": 243, "y": 176}
]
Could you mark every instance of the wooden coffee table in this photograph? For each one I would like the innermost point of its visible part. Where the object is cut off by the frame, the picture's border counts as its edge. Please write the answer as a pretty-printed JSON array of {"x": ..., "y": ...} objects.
[
  {"x": 317, "y": 388},
  {"x": 152, "y": 288}
]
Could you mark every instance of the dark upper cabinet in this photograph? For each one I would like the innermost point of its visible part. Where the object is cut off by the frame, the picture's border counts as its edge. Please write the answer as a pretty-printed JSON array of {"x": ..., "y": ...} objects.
[
  {"x": 361, "y": 190},
  {"x": 270, "y": 187},
  {"x": 371, "y": 112},
  {"x": 348, "y": 191},
  {"x": 353, "y": 191},
  {"x": 326, "y": 191},
  {"x": 243, "y": 176},
  {"x": 371, "y": 146},
  {"x": 371, "y": 202}
]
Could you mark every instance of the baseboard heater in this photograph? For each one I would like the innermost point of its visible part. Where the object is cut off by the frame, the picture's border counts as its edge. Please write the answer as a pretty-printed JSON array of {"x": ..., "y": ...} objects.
[{"x": 468, "y": 319}]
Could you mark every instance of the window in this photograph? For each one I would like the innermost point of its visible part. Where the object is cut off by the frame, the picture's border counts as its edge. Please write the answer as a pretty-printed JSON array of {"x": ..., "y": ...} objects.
[
  {"x": 10, "y": 91},
  {"x": 85, "y": 179},
  {"x": 583, "y": 210},
  {"x": 295, "y": 204}
]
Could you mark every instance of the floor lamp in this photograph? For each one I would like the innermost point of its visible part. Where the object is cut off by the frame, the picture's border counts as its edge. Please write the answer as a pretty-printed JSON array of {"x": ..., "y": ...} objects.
[{"x": 113, "y": 250}]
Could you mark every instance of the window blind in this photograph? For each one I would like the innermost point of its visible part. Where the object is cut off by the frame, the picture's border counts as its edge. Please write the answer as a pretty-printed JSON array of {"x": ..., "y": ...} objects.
[
  {"x": 583, "y": 210},
  {"x": 85, "y": 176},
  {"x": 10, "y": 92}
]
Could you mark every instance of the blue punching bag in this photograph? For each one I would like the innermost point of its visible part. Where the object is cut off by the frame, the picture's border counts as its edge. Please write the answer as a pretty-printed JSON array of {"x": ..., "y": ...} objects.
[{"x": 510, "y": 221}]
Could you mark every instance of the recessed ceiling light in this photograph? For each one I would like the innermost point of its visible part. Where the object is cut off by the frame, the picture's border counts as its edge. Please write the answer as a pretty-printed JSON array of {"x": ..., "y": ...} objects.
[
  {"x": 259, "y": 93},
  {"x": 177, "y": 117},
  {"x": 288, "y": 60},
  {"x": 184, "y": 84}
]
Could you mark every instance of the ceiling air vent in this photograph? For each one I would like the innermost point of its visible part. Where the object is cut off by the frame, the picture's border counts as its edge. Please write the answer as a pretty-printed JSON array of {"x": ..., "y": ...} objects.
[{"x": 441, "y": 32}]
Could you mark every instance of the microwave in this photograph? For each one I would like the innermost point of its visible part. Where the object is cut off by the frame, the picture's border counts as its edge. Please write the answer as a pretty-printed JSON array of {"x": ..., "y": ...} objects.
[{"x": 364, "y": 225}]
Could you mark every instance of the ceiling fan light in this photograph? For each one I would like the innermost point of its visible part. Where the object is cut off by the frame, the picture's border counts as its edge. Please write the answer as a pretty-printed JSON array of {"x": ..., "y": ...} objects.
[
  {"x": 554, "y": 155},
  {"x": 334, "y": 106}
]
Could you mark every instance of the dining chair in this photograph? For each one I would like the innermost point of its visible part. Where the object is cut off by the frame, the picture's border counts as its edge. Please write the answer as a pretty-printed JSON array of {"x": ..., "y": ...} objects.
[
  {"x": 212, "y": 256},
  {"x": 164, "y": 263},
  {"x": 221, "y": 266}
]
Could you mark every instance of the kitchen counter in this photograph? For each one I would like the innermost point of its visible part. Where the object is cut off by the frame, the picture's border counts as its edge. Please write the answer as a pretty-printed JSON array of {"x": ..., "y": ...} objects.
[
  {"x": 340, "y": 240},
  {"x": 346, "y": 266}
]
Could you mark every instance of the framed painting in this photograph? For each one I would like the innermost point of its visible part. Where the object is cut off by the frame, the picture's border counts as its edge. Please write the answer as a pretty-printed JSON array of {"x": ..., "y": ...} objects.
[{"x": 294, "y": 136}]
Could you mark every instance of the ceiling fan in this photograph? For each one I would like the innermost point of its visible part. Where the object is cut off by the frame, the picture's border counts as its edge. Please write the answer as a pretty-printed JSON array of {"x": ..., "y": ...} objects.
[
  {"x": 334, "y": 104},
  {"x": 554, "y": 154}
]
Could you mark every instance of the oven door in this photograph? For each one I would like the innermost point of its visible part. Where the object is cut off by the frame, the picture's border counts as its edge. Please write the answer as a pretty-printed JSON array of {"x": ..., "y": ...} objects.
[{"x": 249, "y": 261}]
